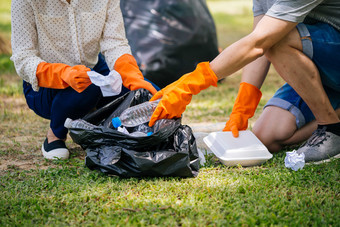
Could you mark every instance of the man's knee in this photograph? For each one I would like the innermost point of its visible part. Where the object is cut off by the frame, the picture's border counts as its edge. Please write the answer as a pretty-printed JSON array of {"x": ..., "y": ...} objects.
[
  {"x": 267, "y": 139},
  {"x": 274, "y": 126}
]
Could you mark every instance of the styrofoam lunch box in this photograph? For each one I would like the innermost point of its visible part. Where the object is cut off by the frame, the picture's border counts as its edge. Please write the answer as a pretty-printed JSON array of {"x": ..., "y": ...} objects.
[{"x": 246, "y": 150}]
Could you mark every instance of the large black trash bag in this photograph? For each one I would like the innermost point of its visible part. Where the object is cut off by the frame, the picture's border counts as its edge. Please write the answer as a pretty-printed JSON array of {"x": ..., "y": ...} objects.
[
  {"x": 169, "y": 37},
  {"x": 170, "y": 151}
]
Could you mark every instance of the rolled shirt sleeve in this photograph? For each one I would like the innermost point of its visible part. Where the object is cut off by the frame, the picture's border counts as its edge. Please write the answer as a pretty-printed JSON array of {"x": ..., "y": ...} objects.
[
  {"x": 258, "y": 8},
  {"x": 293, "y": 11}
]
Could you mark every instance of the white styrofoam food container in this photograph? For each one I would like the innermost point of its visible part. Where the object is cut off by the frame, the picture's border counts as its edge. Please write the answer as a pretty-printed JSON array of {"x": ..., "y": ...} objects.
[{"x": 246, "y": 150}]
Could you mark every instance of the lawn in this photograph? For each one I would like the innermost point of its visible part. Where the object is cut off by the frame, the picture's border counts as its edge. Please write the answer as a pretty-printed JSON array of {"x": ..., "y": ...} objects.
[{"x": 37, "y": 192}]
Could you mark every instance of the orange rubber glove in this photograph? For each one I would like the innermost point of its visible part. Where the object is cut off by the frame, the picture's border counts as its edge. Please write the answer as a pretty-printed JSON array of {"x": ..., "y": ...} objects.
[
  {"x": 60, "y": 76},
  {"x": 177, "y": 95},
  {"x": 132, "y": 77},
  {"x": 244, "y": 108}
]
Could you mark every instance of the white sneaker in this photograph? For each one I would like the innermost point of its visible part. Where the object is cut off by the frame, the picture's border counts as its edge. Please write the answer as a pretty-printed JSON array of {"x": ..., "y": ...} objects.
[{"x": 55, "y": 150}]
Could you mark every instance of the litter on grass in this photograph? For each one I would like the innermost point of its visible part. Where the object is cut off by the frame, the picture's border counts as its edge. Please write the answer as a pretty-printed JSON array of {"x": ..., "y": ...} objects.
[
  {"x": 245, "y": 150},
  {"x": 294, "y": 160}
]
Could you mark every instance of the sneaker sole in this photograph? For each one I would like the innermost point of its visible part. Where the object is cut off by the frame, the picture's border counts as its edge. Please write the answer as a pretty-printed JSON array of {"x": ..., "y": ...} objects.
[
  {"x": 60, "y": 153},
  {"x": 324, "y": 161}
]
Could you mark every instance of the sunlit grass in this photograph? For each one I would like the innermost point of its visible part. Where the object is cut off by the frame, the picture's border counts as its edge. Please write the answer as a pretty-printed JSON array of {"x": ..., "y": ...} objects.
[
  {"x": 233, "y": 20},
  {"x": 268, "y": 195},
  {"x": 36, "y": 192},
  {"x": 5, "y": 19}
]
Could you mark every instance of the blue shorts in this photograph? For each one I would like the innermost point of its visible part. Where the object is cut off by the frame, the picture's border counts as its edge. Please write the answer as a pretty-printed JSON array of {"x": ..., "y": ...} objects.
[{"x": 321, "y": 43}]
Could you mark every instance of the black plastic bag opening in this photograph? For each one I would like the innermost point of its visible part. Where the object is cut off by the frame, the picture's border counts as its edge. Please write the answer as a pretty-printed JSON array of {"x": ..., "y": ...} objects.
[{"x": 170, "y": 151}]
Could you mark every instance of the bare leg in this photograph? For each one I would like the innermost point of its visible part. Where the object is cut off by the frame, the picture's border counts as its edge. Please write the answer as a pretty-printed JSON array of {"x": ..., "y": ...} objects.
[
  {"x": 301, "y": 73},
  {"x": 276, "y": 128},
  {"x": 51, "y": 137}
]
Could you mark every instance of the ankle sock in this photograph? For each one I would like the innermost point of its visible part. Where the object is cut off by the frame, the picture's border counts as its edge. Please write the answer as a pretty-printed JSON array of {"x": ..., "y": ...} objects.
[{"x": 333, "y": 128}]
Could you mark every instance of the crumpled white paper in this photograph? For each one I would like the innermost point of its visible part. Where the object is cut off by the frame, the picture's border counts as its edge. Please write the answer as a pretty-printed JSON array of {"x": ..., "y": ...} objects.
[
  {"x": 110, "y": 85},
  {"x": 294, "y": 160}
]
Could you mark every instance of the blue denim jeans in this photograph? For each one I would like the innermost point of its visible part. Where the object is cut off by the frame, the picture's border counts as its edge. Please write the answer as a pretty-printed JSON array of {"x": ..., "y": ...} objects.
[
  {"x": 59, "y": 104},
  {"x": 321, "y": 43}
]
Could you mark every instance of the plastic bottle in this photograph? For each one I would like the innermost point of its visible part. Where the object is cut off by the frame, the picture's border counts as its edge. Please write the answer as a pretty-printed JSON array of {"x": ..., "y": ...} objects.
[
  {"x": 136, "y": 115},
  {"x": 139, "y": 131},
  {"x": 143, "y": 129},
  {"x": 79, "y": 123}
]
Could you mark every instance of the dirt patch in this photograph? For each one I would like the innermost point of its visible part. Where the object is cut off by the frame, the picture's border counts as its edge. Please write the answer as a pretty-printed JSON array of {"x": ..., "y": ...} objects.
[
  {"x": 5, "y": 45},
  {"x": 21, "y": 164},
  {"x": 16, "y": 104},
  {"x": 22, "y": 133},
  {"x": 34, "y": 159}
]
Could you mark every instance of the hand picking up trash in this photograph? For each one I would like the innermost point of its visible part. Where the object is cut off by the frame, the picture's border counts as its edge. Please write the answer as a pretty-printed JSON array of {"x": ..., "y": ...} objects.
[
  {"x": 71, "y": 68},
  {"x": 305, "y": 107}
]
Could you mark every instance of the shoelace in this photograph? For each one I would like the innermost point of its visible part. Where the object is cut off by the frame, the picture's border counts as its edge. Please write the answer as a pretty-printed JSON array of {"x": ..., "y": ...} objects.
[{"x": 318, "y": 137}]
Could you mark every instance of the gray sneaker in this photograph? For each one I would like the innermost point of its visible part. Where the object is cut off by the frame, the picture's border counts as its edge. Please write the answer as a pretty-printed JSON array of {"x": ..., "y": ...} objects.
[{"x": 321, "y": 146}]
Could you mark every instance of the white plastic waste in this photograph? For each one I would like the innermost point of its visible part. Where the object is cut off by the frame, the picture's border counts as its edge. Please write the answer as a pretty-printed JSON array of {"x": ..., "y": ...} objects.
[
  {"x": 78, "y": 123},
  {"x": 122, "y": 129},
  {"x": 201, "y": 157},
  {"x": 294, "y": 160},
  {"x": 246, "y": 150},
  {"x": 110, "y": 85}
]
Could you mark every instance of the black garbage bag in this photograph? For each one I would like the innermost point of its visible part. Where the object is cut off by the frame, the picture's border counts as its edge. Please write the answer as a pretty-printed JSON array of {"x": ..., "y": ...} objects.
[
  {"x": 169, "y": 38},
  {"x": 170, "y": 151}
]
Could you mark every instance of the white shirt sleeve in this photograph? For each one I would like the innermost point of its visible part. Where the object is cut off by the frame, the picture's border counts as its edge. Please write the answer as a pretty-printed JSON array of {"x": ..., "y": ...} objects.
[
  {"x": 24, "y": 42},
  {"x": 114, "y": 42}
]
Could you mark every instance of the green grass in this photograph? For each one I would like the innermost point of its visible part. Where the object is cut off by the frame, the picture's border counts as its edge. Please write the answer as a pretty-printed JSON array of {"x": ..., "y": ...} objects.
[
  {"x": 219, "y": 196},
  {"x": 36, "y": 192},
  {"x": 5, "y": 18},
  {"x": 6, "y": 65},
  {"x": 233, "y": 20}
]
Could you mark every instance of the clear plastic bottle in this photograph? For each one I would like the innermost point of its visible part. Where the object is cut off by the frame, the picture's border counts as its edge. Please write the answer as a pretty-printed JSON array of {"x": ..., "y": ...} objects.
[
  {"x": 136, "y": 115},
  {"x": 79, "y": 123},
  {"x": 143, "y": 129}
]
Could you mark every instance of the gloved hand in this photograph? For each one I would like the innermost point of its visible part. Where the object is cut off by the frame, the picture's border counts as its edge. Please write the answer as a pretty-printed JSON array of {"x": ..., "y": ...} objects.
[
  {"x": 132, "y": 77},
  {"x": 177, "y": 95},
  {"x": 244, "y": 108},
  {"x": 60, "y": 76}
]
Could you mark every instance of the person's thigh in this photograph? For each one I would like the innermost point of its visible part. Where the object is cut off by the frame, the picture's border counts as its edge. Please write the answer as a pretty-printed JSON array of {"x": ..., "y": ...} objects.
[
  {"x": 70, "y": 104},
  {"x": 39, "y": 101},
  {"x": 287, "y": 99},
  {"x": 321, "y": 43}
]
